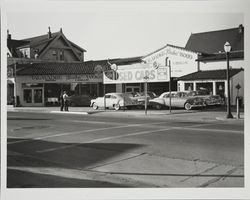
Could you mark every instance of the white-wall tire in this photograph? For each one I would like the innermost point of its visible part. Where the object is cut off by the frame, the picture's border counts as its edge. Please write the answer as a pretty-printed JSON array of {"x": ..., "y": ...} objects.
[
  {"x": 187, "y": 106},
  {"x": 95, "y": 107},
  {"x": 117, "y": 106}
]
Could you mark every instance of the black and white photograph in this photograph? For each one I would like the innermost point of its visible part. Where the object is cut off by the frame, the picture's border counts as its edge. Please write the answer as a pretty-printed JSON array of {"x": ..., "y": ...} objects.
[{"x": 124, "y": 99}]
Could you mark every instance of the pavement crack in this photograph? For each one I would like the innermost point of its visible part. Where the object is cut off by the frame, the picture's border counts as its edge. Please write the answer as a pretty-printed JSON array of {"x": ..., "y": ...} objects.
[
  {"x": 228, "y": 173},
  {"x": 198, "y": 174}
]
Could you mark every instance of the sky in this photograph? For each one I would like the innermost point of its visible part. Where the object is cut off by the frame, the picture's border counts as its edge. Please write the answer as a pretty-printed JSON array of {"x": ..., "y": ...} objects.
[{"x": 108, "y": 29}]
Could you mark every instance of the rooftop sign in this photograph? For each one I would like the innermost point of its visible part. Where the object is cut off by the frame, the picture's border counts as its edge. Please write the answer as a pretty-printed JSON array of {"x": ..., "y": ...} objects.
[{"x": 182, "y": 61}]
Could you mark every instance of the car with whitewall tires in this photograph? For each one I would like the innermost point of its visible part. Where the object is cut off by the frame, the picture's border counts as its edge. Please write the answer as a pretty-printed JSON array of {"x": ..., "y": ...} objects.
[
  {"x": 115, "y": 101},
  {"x": 210, "y": 100},
  {"x": 178, "y": 100}
]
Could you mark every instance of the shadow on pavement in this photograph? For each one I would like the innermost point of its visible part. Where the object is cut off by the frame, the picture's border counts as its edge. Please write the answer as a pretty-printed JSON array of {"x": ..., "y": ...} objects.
[
  {"x": 21, "y": 179},
  {"x": 29, "y": 154}
]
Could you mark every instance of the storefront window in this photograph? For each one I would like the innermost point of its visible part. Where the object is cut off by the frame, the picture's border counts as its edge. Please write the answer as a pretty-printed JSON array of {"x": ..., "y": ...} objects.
[
  {"x": 189, "y": 86},
  {"x": 205, "y": 86},
  {"x": 27, "y": 95}
]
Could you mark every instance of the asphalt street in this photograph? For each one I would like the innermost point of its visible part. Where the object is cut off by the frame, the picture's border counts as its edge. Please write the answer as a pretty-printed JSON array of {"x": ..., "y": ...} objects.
[{"x": 52, "y": 150}]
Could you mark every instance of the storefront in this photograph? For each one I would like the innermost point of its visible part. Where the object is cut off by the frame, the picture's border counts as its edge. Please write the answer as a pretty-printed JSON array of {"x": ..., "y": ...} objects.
[
  {"x": 214, "y": 81},
  {"x": 37, "y": 87}
]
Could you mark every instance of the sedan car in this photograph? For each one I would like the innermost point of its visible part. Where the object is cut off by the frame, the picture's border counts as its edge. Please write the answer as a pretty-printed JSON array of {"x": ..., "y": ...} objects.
[
  {"x": 178, "y": 100},
  {"x": 140, "y": 97},
  {"x": 210, "y": 100},
  {"x": 79, "y": 100},
  {"x": 113, "y": 100}
]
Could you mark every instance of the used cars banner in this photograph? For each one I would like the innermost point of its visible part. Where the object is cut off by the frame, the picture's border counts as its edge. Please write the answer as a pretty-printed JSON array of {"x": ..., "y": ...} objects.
[{"x": 136, "y": 74}]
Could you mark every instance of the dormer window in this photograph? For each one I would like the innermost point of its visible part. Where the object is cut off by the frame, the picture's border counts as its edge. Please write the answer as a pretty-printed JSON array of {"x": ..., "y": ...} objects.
[{"x": 25, "y": 52}]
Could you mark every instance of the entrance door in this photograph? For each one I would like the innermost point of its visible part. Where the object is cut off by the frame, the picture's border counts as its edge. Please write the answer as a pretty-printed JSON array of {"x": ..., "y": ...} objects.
[
  {"x": 220, "y": 89},
  {"x": 33, "y": 97}
]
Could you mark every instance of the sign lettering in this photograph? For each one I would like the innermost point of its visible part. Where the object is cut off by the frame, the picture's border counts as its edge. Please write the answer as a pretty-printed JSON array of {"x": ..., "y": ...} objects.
[{"x": 137, "y": 75}]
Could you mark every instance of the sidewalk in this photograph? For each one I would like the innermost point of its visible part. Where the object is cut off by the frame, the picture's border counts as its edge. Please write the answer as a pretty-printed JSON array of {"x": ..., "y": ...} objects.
[{"x": 207, "y": 114}]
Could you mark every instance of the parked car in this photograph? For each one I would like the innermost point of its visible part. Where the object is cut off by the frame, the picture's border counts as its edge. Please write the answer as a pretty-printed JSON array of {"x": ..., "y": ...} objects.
[
  {"x": 113, "y": 100},
  {"x": 178, "y": 100},
  {"x": 210, "y": 100},
  {"x": 79, "y": 100},
  {"x": 140, "y": 97}
]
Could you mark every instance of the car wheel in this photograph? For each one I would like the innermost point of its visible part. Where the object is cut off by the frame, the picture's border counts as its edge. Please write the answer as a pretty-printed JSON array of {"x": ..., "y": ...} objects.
[
  {"x": 158, "y": 106},
  {"x": 95, "y": 107},
  {"x": 187, "y": 106},
  {"x": 117, "y": 106}
]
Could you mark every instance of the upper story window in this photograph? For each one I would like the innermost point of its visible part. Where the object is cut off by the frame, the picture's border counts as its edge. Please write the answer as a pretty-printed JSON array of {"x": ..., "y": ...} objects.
[
  {"x": 58, "y": 54},
  {"x": 25, "y": 52},
  {"x": 61, "y": 54}
]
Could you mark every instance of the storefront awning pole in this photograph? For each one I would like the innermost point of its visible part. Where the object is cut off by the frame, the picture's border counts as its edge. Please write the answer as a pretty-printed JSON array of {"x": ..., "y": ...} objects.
[
  {"x": 168, "y": 64},
  {"x": 15, "y": 85},
  {"x": 104, "y": 97},
  {"x": 146, "y": 78},
  {"x": 124, "y": 97}
]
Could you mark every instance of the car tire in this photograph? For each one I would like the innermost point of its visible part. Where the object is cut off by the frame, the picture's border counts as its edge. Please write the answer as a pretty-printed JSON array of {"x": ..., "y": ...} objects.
[
  {"x": 187, "y": 106},
  {"x": 117, "y": 106},
  {"x": 95, "y": 107},
  {"x": 158, "y": 106}
]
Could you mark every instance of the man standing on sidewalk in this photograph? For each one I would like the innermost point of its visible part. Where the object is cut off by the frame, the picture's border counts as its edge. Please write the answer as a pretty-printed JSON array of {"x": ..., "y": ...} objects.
[
  {"x": 61, "y": 101},
  {"x": 65, "y": 101}
]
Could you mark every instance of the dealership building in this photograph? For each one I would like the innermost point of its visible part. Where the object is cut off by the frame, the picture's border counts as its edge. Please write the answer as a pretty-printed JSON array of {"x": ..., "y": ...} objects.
[{"x": 40, "y": 68}]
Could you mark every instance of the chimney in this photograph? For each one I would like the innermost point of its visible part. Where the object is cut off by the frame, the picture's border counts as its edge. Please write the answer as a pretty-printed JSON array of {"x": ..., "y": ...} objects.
[
  {"x": 241, "y": 29},
  {"x": 60, "y": 30},
  {"x": 49, "y": 34},
  {"x": 8, "y": 35}
]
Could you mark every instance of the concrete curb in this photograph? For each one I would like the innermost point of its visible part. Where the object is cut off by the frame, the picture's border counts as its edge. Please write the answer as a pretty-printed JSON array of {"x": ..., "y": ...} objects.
[
  {"x": 173, "y": 116},
  {"x": 47, "y": 111},
  {"x": 68, "y": 112},
  {"x": 226, "y": 119}
]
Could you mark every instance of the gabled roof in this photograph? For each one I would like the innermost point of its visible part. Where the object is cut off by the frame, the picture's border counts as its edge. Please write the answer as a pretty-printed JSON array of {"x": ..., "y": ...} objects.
[
  {"x": 169, "y": 45},
  {"x": 34, "y": 41},
  {"x": 213, "y": 41},
  {"x": 44, "y": 42},
  {"x": 220, "y": 74}
]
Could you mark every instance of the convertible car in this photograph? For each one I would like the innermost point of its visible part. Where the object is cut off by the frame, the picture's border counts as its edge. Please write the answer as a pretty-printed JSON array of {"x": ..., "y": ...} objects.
[
  {"x": 113, "y": 100},
  {"x": 178, "y": 100}
]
